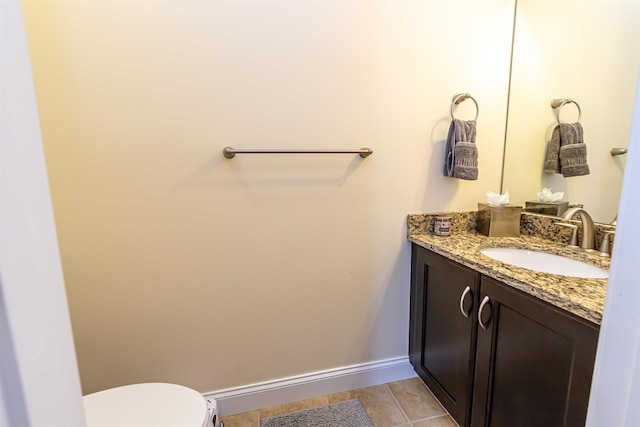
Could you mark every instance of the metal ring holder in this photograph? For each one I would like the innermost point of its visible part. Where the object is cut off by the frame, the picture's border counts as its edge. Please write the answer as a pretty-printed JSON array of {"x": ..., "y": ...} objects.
[
  {"x": 561, "y": 102},
  {"x": 458, "y": 98}
]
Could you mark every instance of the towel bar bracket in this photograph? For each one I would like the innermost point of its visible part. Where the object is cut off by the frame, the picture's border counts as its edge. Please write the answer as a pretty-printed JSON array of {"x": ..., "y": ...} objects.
[{"x": 618, "y": 151}]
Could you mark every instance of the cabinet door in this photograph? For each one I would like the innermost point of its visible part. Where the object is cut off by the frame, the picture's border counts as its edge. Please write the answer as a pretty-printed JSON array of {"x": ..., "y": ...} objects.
[
  {"x": 442, "y": 338},
  {"x": 533, "y": 363}
]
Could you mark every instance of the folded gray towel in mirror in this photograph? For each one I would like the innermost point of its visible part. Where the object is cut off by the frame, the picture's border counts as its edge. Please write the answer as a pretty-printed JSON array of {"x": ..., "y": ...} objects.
[
  {"x": 573, "y": 160},
  {"x": 573, "y": 150},
  {"x": 552, "y": 161},
  {"x": 566, "y": 151},
  {"x": 461, "y": 151}
]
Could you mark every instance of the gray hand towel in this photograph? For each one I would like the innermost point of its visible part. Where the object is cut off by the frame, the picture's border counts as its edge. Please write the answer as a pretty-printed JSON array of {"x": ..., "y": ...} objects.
[
  {"x": 466, "y": 161},
  {"x": 573, "y": 150},
  {"x": 552, "y": 161},
  {"x": 461, "y": 152},
  {"x": 567, "y": 152}
]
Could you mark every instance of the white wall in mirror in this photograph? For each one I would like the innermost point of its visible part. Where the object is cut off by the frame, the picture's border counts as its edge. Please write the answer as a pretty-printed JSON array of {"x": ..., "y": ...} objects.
[{"x": 586, "y": 51}]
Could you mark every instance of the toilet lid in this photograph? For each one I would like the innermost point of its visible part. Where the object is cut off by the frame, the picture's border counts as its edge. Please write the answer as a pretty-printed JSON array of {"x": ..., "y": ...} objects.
[{"x": 148, "y": 404}]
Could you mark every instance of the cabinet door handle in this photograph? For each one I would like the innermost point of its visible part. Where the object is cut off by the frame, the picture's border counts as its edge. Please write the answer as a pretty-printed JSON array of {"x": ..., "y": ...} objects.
[
  {"x": 466, "y": 292},
  {"x": 484, "y": 302}
]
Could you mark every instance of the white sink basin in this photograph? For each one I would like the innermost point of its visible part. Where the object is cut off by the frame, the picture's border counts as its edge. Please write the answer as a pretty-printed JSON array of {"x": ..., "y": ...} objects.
[{"x": 546, "y": 263}]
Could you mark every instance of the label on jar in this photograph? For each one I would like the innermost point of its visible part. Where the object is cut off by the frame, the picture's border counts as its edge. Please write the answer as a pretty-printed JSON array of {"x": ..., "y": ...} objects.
[{"x": 442, "y": 225}]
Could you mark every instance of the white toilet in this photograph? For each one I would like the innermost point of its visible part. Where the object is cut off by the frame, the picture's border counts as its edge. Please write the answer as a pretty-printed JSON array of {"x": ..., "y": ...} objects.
[{"x": 149, "y": 404}]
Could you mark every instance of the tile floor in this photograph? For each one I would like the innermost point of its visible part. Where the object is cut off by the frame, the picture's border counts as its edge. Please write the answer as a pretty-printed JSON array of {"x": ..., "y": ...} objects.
[{"x": 407, "y": 403}]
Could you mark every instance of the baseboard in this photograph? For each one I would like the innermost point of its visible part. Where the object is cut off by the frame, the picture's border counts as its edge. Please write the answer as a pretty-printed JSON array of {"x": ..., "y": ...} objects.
[{"x": 291, "y": 389}]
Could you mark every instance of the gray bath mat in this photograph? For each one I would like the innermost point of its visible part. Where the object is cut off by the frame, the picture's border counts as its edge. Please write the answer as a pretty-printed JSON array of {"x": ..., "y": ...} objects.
[{"x": 349, "y": 413}]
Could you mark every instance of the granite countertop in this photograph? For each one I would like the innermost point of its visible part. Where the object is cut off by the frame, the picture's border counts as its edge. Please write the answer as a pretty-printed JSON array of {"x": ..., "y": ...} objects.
[{"x": 582, "y": 297}]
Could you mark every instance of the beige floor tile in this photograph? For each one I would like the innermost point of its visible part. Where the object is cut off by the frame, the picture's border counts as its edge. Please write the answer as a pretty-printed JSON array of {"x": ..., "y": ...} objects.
[
  {"x": 378, "y": 402},
  {"x": 246, "y": 419},
  {"x": 274, "y": 411},
  {"x": 444, "y": 421},
  {"x": 415, "y": 399}
]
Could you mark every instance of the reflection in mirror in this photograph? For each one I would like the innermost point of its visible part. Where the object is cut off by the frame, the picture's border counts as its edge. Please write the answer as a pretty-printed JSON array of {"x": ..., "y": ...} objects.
[{"x": 586, "y": 51}]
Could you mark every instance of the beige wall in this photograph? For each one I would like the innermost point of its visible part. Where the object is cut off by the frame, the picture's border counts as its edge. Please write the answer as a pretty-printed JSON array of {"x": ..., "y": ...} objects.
[{"x": 183, "y": 266}]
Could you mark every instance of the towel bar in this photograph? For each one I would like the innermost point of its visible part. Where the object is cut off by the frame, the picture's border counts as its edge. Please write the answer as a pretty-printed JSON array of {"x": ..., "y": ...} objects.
[{"x": 230, "y": 152}]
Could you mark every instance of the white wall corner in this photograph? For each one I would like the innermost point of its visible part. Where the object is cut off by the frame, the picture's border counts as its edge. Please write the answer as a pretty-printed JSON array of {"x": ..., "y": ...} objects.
[
  {"x": 616, "y": 379},
  {"x": 39, "y": 382},
  {"x": 285, "y": 390}
]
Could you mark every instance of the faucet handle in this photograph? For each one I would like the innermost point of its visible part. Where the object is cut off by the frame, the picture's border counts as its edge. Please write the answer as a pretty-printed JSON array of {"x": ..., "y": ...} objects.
[
  {"x": 605, "y": 245},
  {"x": 573, "y": 243}
]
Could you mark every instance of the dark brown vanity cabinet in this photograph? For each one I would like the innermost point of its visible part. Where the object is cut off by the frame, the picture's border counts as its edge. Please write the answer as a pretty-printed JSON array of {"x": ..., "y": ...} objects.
[
  {"x": 494, "y": 356},
  {"x": 442, "y": 334}
]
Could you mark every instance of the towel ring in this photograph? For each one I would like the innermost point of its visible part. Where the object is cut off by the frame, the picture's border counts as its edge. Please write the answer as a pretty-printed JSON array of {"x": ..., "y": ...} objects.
[
  {"x": 458, "y": 98},
  {"x": 561, "y": 102}
]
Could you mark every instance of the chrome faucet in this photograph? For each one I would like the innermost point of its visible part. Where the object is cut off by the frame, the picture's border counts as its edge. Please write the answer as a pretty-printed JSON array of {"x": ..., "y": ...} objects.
[{"x": 588, "y": 241}]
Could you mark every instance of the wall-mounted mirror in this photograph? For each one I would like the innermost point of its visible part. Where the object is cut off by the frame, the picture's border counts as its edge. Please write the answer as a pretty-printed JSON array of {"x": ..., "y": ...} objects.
[{"x": 588, "y": 51}]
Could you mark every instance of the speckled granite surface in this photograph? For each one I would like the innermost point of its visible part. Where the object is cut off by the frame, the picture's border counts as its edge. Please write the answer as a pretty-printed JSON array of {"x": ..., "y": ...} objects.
[{"x": 582, "y": 297}]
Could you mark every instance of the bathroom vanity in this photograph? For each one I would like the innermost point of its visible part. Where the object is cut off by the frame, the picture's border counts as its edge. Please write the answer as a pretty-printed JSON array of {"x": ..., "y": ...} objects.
[{"x": 497, "y": 344}]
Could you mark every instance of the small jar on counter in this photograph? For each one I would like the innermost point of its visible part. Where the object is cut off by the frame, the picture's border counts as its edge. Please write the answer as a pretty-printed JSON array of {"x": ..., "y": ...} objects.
[{"x": 442, "y": 225}]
